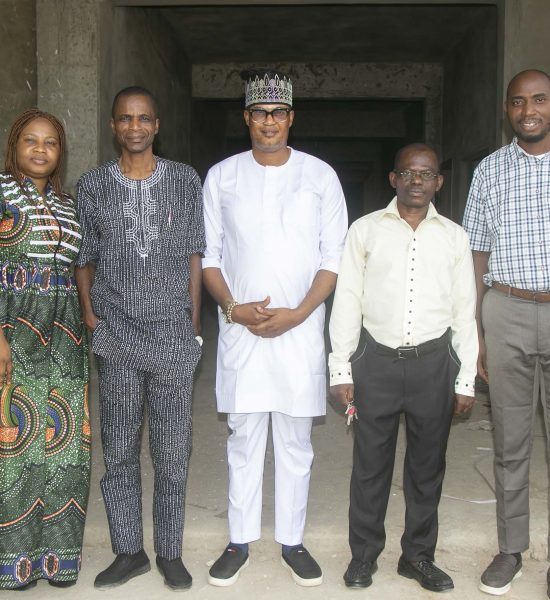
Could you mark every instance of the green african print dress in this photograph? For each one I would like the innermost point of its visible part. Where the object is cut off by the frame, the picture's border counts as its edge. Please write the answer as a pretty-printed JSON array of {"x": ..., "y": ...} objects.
[{"x": 44, "y": 420}]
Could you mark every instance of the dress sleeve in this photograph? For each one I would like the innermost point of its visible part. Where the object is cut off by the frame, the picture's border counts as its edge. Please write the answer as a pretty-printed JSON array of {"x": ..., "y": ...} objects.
[
  {"x": 4, "y": 296},
  {"x": 86, "y": 210},
  {"x": 347, "y": 317},
  {"x": 464, "y": 329},
  {"x": 2, "y": 203},
  {"x": 474, "y": 221},
  {"x": 213, "y": 221},
  {"x": 196, "y": 242},
  {"x": 334, "y": 223}
]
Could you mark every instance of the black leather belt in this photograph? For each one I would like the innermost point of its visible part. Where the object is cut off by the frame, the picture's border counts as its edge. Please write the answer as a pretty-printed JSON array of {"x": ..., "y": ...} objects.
[{"x": 408, "y": 352}]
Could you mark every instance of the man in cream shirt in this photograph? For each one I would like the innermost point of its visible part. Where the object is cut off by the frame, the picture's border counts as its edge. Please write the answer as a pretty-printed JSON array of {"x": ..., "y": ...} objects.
[{"x": 406, "y": 277}]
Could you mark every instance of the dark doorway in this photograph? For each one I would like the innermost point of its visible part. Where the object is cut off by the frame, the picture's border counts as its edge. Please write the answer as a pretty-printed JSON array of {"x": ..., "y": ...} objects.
[{"x": 358, "y": 138}]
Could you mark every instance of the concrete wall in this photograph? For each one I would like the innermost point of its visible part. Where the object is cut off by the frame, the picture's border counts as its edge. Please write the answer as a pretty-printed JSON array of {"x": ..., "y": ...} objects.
[
  {"x": 68, "y": 75},
  {"x": 87, "y": 54},
  {"x": 526, "y": 30},
  {"x": 339, "y": 80},
  {"x": 138, "y": 48},
  {"x": 18, "y": 60},
  {"x": 471, "y": 110},
  {"x": 525, "y": 46}
]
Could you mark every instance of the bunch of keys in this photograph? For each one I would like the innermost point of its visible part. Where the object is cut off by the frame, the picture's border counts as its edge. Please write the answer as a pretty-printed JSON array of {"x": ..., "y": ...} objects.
[{"x": 351, "y": 412}]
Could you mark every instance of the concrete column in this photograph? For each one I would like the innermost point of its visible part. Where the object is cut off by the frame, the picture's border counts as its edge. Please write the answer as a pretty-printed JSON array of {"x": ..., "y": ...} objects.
[
  {"x": 339, "y": 80},
  {"x": 526, "y": 27},
  {"x": 18, "y": 60},
  {"x": 68, "y": 76}
]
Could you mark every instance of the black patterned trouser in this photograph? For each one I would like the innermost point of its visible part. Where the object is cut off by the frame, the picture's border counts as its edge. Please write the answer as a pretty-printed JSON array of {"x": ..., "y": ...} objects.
[{"x": 123, "y": 394}]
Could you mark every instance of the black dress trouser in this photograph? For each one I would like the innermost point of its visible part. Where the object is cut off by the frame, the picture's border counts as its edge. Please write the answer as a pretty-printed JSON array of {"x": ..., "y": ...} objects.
[{"x": 422, "y": 389}]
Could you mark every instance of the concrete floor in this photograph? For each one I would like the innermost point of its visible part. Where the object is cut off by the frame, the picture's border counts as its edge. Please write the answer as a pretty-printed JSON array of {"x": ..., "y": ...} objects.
[{"x": 467, "y": 539}]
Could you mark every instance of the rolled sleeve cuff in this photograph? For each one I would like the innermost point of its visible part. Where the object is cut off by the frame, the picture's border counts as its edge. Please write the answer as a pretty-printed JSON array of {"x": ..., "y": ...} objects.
[
  {"x": 480, "y": 245},
  {"x": 340, "y": 374},
  {"x": 211, "y": 261},
  {"x": 330, "y": 264},
  {"x": 85, "y": 258},
  {"x": 465, "y": 387}
]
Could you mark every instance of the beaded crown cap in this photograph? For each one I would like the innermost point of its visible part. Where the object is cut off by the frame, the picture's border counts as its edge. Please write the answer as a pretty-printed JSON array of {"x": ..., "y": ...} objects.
[{"x": 267, "y": 88}]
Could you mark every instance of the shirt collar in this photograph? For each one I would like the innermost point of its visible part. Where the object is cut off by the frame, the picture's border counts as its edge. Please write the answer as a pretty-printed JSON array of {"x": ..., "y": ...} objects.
[
  {"x": 516, "y": 152},
  {"x": 391, "y": 209},
  {"x": 29, "y": 183}
]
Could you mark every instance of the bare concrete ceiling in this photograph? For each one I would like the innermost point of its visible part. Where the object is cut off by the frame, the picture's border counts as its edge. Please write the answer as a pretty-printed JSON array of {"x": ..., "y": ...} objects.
[{"x": 324, "y": 33}]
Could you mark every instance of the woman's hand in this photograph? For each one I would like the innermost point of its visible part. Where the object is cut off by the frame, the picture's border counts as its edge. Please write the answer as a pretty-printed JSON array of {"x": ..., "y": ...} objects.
[{"x": 6, "y": 365}]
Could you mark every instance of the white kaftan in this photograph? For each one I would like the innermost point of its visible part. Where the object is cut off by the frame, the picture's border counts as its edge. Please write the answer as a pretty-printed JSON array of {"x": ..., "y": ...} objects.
[{"x": 270, "y": 230}]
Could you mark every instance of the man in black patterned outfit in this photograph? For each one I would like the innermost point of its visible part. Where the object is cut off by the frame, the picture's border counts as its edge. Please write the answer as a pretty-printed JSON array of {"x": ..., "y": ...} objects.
[{"x": 139, "y": 280}]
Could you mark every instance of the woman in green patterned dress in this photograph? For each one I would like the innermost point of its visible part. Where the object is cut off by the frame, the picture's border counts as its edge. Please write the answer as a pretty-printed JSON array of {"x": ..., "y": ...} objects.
[{"x": 44, "y": 419}]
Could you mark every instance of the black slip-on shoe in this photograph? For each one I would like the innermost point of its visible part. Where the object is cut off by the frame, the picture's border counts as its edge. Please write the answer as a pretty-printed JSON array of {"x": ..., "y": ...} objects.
[
  {"x": 498, "y": 576},
  {"x": 24, "y": 588},
  {"x": 122, "y": 569},
  {"x": 303, "y": 567},
  {"x": 225, "y": 571},
  {"x": 62, "y": 584},
  {"x": 176, "y": 576}
]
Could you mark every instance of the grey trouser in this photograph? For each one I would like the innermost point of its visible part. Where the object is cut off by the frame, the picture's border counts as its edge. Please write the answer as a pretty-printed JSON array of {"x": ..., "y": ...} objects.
[
  {"x": 517, "y": 335},
  {"x": 123, "y": 394}
]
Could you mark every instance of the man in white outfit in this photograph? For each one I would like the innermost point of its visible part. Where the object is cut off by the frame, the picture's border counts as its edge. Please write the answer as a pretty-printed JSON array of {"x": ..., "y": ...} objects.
[{"x": 275, "y": 226}]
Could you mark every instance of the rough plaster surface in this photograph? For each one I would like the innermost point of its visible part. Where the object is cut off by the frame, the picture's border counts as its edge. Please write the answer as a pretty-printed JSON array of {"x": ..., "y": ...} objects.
[
  {"x": 68, "y": 76},
  {"x": 18, "y": 60},
  {"x": 338, "y": 80},
  {"x": 141, "y": 50}
]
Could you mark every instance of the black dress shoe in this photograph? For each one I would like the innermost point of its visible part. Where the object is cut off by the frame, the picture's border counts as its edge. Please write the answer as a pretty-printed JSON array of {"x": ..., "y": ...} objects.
[
  {"x": 176, "y": 576},
  {"x": 426, "y": 573},
  {"x": 359, "y": 574},
  {"x": 122, "y": 569},
  {"x": 62, "y": 584},
  {"x": 24, "y": 588}
]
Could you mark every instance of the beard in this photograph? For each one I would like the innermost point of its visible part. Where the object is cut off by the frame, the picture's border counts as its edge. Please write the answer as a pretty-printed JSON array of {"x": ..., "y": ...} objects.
[{"x": 532, "y": 138}]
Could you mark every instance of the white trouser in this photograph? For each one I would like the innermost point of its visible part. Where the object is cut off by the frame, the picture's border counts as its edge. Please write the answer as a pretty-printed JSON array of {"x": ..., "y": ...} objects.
[{"x": 245, "y": 455}]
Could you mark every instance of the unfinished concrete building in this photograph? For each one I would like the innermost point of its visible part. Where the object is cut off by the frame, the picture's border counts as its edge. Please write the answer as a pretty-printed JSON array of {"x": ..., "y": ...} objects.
[{"x": 369, "y": 76}]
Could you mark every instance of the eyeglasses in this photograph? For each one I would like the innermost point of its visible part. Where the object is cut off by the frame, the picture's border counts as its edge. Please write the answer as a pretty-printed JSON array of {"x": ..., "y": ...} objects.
[
  {"x": 407, "y": 175},
  {"x": 259, "y": 115}
]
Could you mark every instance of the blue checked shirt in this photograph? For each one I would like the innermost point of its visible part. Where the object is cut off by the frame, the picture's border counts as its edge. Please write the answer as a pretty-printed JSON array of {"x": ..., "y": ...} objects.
[{"x": 508, "y": 215}]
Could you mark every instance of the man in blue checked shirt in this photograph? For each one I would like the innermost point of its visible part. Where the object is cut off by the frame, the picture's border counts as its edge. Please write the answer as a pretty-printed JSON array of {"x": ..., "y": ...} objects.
[{"x": 508, "y": 220}]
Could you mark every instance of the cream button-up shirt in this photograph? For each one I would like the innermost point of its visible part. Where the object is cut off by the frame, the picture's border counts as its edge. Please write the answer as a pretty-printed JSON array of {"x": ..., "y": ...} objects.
[{"x": 405, "y": 287}]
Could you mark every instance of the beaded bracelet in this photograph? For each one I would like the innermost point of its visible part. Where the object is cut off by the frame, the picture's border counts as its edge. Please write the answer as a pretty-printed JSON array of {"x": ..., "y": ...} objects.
[{"x": 228, "y": 312}]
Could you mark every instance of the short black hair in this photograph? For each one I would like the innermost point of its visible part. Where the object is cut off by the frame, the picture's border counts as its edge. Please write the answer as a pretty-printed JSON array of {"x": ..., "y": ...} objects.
[
  {"x": 419, "y": 147},
  {"x": 135, "y": 90},
  {"x": 543, "y": 74}
]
